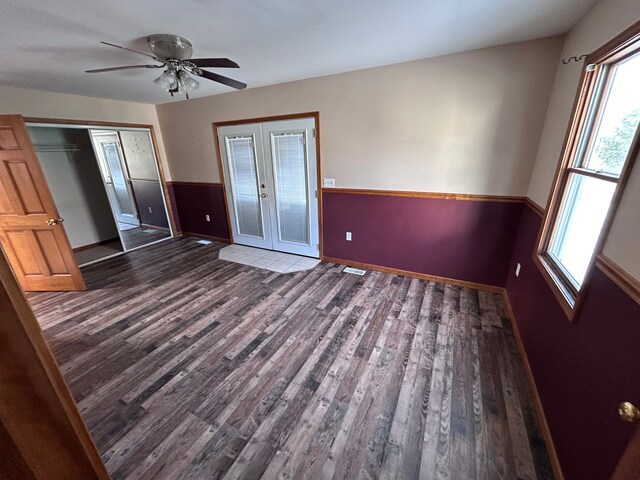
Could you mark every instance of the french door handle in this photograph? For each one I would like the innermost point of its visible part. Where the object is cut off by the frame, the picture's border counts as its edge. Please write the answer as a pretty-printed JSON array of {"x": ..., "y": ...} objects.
[
  {"x": 263, "y": 195},
  {"x": 54, "y": 221}
]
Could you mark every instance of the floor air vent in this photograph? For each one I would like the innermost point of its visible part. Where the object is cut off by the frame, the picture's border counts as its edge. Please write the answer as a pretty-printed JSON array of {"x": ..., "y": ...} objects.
[{"x": 355, "y": 271}]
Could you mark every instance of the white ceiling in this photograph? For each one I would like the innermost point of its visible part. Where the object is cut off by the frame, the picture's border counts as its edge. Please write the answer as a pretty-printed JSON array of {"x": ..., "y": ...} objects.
[{"x": 47, "y": 45}]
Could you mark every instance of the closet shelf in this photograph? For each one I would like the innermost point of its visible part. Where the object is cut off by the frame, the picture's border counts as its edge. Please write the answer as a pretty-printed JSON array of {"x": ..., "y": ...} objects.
[{"x": 64, "y": 147}]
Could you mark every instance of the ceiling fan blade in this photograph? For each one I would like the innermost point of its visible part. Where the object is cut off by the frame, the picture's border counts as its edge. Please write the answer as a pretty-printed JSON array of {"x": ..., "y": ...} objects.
[
  {"x": 129, "y": 49},
  {"x": 128, "y": 67},
  {"x": 224, "y": 80},
  {"x": 214, "y": 62}
]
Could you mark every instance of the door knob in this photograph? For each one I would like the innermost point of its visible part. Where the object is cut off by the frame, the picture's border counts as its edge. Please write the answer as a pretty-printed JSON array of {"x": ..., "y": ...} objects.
[
  {"x": 629, "y": 412},
  {"x": 54, "y": 221}
]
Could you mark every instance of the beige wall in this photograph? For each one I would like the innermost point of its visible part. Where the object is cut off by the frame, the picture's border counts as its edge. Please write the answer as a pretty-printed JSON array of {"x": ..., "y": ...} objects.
[
  {"x": 35, "y": 103},
  {"x": 468, "y": 122},
  {"x": 604, "y": 21}
]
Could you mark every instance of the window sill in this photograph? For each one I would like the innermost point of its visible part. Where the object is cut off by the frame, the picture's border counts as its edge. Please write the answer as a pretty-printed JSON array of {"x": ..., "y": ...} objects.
[{"x": 565, "y": 298}]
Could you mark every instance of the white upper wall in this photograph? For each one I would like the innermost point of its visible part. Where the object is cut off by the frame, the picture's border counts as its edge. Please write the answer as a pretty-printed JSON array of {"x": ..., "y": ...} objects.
[
  {"x": 604, "y": 21},
  {"x": 464, "y": 123},
  {"x": 36, "y": 103}
]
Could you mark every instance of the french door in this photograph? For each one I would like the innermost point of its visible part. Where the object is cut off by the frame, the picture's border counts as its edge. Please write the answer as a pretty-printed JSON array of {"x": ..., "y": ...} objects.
[{"x": 271, "y": 184}]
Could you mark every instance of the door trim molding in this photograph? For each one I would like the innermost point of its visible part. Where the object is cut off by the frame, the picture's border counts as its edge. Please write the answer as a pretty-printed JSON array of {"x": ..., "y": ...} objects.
[
  {"x": 293, "y": 116},
  {"x": 154, "y": 141},
  {"x": 51, "y": 438},
  {"x": 421, "y": 194}
]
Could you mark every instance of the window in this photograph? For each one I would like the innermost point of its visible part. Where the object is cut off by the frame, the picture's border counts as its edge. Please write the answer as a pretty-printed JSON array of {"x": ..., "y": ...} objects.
[{"x": 601, "y": 145}]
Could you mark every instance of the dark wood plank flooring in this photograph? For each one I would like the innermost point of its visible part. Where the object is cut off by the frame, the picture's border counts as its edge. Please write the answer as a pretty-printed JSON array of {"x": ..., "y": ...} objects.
[{"x": 189, "y": 367}]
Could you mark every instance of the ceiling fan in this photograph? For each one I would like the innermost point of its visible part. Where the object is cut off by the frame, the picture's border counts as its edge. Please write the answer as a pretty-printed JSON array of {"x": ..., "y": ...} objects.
[{"x": 174, "y": 55}]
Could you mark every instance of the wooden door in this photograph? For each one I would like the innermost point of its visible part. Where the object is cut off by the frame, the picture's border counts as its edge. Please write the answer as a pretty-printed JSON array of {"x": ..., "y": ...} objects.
[
  {"x": 42, "y": 435},
  {"x": 31, "y": 231}
]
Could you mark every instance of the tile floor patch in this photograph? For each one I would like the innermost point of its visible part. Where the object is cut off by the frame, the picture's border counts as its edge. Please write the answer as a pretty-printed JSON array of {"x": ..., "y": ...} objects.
[{"x": 270, "y": 260}]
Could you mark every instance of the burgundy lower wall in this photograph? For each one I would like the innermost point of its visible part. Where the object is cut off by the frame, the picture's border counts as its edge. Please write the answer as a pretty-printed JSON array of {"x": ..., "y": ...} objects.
[
  {"x": 584, "y": 369},
  {"x": 459, "y": 239},
  {"x": 191, "y": 202},
  {"x": 149, "y": 196}
]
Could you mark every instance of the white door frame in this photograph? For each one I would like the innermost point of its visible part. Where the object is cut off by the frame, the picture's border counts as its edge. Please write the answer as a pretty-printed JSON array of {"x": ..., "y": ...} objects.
[{"x": 313, "y": 185}]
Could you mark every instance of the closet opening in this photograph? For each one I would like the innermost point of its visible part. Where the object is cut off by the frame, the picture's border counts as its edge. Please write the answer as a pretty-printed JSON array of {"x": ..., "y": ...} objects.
[{"x": 106, "y": 184}]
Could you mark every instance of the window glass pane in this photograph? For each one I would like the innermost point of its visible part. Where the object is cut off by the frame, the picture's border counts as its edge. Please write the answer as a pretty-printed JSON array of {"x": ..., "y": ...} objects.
[
  {"x": 244, "y": 185},
  {"x": 579, "y": 223},
  {"x": 291, "y": 186},
  {"x": 618, "y": 120}
]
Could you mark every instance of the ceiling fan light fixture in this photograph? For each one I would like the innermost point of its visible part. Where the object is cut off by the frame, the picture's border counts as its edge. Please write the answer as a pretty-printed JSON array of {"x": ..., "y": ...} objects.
[
  {"x": 168, "y": 80},
  {"x": 173, "y": 53},
  {"x": 187, "y": 82}
]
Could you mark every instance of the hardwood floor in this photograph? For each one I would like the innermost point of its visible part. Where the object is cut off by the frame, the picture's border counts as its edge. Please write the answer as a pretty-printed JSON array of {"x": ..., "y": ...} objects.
[{"x": 186, "y": 366}]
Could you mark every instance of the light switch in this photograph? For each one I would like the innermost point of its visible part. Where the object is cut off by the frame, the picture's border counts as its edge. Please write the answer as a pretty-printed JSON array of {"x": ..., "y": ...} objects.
[{"x": 328, "y": 182}]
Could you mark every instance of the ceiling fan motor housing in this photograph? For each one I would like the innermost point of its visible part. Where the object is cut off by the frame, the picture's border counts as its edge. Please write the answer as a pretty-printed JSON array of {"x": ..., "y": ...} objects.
[{"x": 170, "y": 46}]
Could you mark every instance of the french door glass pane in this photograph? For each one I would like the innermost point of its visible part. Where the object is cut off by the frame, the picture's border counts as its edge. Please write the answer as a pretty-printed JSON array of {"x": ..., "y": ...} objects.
[
  {"x": 112, "y": 157},
  {"x": 291, "y": 187},
  {"x": 579, "y": 223},
  {"x": 618, "y": 119},
  {"x": 244, "y": 185}
]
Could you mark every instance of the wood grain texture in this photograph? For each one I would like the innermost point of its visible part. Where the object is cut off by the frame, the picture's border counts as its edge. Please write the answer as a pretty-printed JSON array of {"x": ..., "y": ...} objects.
[
  {"x": 39, "y": 253},
  {"x": 42, "y": 435},
  {"x": 424, "y": 276},
  {"x": 417, "y": 194},
  {"x": 525, "y": 380},
  {"x": 186, "y": 366}
]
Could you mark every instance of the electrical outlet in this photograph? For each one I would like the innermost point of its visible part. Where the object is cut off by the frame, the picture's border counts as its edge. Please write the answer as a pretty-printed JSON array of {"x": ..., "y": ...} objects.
[
  {"x": 518, "y": 270},
  {"x": 207, "y": 218},
  {"x": 150, "y": 211},
  {"x": 329, "y": 182},
  {"x": 348, "y": 236}
]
